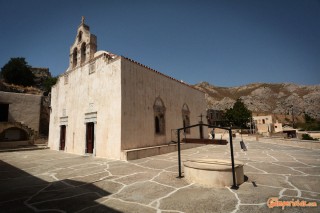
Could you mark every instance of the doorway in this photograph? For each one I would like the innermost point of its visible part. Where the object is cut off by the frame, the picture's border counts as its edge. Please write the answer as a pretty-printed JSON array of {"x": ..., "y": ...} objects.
[
  {"x": 90, "y": 138},
  {"x": 62, "y": 137}
]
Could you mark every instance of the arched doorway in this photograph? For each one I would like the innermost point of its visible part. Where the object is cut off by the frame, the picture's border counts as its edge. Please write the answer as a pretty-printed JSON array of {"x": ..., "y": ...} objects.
[{"x": 14, "y": 134}]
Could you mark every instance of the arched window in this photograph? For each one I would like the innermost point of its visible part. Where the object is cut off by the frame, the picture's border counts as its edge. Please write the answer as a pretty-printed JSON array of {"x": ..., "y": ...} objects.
[
  {"x": 74, "y": 57},
  {"x": 83, "y": 53},
  {"x": 159, "y": 116},
  {"x": 80, "y": 36},
  {"x": 186, "y": 117},
  {"x": 263, "y": 121}
]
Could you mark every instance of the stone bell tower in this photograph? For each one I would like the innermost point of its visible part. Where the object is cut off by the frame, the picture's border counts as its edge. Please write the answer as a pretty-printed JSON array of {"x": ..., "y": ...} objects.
[{"x": 84, "y": 46}]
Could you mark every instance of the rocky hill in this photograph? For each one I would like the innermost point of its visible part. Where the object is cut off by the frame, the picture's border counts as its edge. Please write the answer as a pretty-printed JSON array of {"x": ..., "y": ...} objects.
[
  {"x": 40, "y": 75},
  {"x": 279, "y": 99}
]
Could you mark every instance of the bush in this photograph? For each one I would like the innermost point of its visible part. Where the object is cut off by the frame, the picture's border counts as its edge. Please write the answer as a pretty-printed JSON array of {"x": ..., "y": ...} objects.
[
  {"x": 308, "y": 137},
  {"x": 49, "y": 82}
]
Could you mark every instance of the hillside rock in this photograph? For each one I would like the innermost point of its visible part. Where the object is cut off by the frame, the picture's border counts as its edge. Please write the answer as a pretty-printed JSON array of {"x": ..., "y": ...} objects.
[
  {"x": 266, "y": 98},
  {"x": 40, "y": 75}
]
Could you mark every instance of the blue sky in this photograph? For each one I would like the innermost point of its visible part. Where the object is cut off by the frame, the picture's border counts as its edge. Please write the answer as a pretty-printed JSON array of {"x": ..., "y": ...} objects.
[{"x": 226, "y": 42}]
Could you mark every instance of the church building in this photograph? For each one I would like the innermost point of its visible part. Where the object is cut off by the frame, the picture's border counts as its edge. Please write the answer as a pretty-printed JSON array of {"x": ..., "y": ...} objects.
[{"x": 104, "y": 104}]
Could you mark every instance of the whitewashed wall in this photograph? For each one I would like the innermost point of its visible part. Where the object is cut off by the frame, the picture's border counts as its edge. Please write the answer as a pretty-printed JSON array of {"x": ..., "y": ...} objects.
[{"x": 98, "y": 92}]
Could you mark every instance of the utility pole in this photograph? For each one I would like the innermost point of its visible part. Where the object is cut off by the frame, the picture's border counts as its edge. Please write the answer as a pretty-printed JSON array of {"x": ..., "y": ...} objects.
[{"x": 292, "y": 116}]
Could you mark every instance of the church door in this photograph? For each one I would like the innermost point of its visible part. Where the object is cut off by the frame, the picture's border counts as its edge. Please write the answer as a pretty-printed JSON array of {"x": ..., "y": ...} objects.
[
  {"x": 62, "y": 137},
  {"x": 90, "y": 137}
]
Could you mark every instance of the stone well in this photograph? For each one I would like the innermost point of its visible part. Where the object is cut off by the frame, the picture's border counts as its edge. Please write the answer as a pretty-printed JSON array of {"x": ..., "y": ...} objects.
[{"x": 213, "y": 172}]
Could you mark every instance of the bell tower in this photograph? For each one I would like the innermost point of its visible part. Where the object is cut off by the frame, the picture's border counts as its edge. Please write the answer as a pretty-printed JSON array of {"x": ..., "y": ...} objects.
[{"x": 84, "y": 46}]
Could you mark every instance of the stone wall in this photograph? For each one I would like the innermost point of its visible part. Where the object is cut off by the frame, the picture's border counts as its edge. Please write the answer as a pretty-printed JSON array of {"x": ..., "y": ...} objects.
[
  {"x": 24, "y": 108},
  {"x": 140, "y": 88},
  {"x": 118, "y": 95},
  {"x": 90, "y": 90}
]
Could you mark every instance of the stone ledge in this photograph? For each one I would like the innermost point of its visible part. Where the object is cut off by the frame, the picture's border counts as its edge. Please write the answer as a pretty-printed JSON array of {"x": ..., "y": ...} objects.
[
  {"x": 212, "y": 164},
  {"x": 133, "y": 154},
  {"x": 205, "y": 141}
]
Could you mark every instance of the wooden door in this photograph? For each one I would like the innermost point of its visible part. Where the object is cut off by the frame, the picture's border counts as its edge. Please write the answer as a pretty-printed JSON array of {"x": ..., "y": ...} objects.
[
  {"x": 62, "y": 137},
  {"x": 90, "y": 137}
]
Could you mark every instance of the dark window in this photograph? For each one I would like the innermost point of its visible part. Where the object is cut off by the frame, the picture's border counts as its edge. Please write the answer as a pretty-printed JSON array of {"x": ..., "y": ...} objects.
[
  {"x": 80, "y": 36},
  {"x": 157, "y": 124},
  {"x": 159, "y": 116},
  {"x": 4, "y": 112},
  {"x": 74, "y": 57},
  {"x": 83, "y": 53}
]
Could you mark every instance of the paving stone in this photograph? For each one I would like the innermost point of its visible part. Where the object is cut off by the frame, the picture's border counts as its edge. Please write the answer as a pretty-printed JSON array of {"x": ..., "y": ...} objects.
[
  {"x": 128, "y": 207},
  {"x": 70, "y": 204},
  {"x": 104, "y": 187},
  {"x": 16, "y": 205},
  {"x": 312, "y": 196},
  {"x": 198, "y": 199},
  {"x": 256, "y": 208},
  {"x": 290, "y": 193},
  {"x": 91, "y": 177},
  {"x": 271, "y": 168},
  {"x": 292, "y": 164},
  {"x": 310, "y": 170},
  {"x": 256, "y": 195},
  {"x": 171, "y": 179},
  {"x": 308, "y": 183},
  {"x": 126, "y": 169},
  {"x": 269, "y": 180},
  {"x": 143, "y": 192},
  {"x": 136, "y": 177},
  {"x": 157, "y": 164},
  {"x": 49, "y": 180}
]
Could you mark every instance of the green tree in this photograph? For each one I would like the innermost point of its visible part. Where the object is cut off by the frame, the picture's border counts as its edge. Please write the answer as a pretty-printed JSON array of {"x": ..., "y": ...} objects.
[
  {"x": 239, "y": 114},
  {"x": 17, "y": 71},
  {"x": 308, "y": 118},
  {"x": 49, "y": 82}
]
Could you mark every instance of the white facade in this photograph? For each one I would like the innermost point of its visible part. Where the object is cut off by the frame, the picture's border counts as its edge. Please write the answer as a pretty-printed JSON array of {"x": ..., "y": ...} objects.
[{"x": 123, "y": 104}]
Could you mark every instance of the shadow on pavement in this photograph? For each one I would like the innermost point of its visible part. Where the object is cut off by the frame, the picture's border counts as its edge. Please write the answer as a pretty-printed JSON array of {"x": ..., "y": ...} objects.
[{"x": 23, "y": 192}]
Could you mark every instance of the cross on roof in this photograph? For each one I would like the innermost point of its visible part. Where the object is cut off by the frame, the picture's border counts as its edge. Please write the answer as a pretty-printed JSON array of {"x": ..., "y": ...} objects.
[{"x": 82, "y": 20}]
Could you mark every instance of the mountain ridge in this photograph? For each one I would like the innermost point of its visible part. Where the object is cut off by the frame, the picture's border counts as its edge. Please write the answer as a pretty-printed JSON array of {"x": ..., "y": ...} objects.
[{"x": 274, "y": 98}]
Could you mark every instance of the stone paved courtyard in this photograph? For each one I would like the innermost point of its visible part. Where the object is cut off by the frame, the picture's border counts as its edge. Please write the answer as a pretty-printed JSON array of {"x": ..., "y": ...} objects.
[{"x": 52, "y": 181}]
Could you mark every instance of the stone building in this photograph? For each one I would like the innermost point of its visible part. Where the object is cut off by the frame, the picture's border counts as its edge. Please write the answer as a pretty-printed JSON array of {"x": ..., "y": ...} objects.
[
  {"x": 19, "y": 117},
  {"x": 267, "y": 124},
  {"x": 107, "y": 105}
]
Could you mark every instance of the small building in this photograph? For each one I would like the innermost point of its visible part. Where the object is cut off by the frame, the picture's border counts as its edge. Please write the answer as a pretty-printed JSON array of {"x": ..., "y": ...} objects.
[
  {"x": 266, "y": 124},
  {"x": 215, "y": 117},
  {"x": 19, "y": 116},
  {"x": 105, "y": 104}
]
